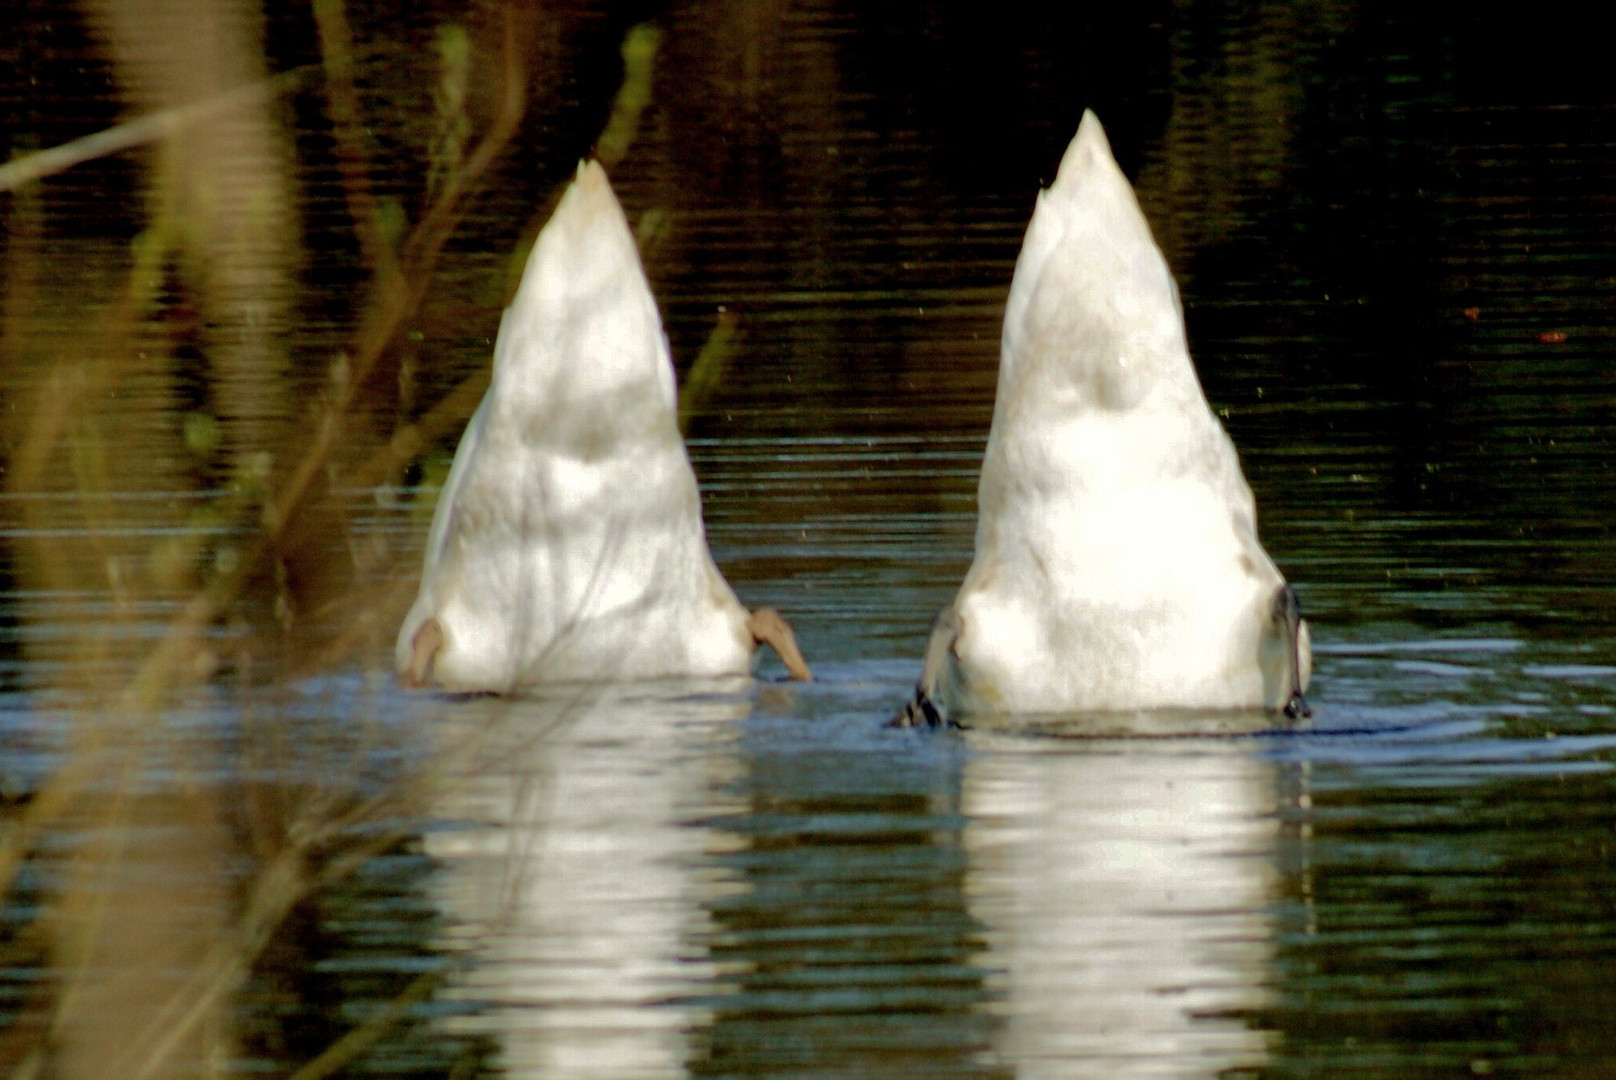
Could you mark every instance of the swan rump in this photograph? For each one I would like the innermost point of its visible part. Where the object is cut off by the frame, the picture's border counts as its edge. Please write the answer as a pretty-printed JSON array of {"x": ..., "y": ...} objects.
[
  {"x": 1117, "y": 563},
  {"x": 567, "y": 543}
]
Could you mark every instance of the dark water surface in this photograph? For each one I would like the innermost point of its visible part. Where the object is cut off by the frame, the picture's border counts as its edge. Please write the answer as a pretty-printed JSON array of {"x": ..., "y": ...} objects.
[{"x": 1396, "y": 241}]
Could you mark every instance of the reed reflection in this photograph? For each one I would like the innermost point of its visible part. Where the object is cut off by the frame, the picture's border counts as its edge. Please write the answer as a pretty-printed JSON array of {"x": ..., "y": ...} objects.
[{"x": 1126, "y": 888}]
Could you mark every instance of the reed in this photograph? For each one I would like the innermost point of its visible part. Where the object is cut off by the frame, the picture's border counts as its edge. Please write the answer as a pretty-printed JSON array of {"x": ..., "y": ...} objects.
[{"x": 150, "y": 943}]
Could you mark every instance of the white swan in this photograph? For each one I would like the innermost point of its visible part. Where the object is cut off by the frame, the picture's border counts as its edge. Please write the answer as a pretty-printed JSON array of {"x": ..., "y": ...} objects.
[
  {"x": 567, "y": 544},
  {"x": 1117, "y": 562}
]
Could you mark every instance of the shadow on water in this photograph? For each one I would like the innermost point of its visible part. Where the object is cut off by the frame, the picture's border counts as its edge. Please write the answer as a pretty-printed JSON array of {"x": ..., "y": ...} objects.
[{"x": 234, "y": 361}]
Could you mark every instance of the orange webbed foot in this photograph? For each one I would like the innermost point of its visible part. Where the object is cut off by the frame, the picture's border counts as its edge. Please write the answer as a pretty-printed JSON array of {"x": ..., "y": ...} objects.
[{"x": 770, "y": 627}]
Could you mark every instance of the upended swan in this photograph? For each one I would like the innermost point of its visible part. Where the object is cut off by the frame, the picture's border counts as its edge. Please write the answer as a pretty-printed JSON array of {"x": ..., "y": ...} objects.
[
  {"x": 1117, "y": 563},
  {"x": 567, "y": 543}
]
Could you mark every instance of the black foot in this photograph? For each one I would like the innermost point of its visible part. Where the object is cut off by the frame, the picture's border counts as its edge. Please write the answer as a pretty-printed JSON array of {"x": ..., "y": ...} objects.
[
  {"x": 920, "y": 712},
  {"x": 1288, "y": 610}
]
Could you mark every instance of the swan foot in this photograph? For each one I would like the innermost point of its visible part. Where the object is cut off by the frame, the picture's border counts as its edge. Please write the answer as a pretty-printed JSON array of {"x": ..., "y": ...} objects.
[
  {"x": 424, "y": 647},
  {"x": 924, "y": 710},
  {"x": 769, "y": 627},
  {"x": 921, "y": 711},
  {"x": 1289, "y": 610}
]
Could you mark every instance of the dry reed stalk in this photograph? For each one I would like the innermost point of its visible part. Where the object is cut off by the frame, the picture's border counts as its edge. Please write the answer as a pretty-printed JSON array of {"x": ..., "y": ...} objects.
[
  {"x": 347, "y": 121},
  {"x": 128, "y": 710},
  {"x": 153, "y": 127}
]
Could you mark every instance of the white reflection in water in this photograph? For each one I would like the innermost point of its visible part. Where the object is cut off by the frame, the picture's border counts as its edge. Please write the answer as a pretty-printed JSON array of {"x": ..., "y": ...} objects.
[
  {"x": 569, "y": 883},
  {"x": 1125, "y": 887}
]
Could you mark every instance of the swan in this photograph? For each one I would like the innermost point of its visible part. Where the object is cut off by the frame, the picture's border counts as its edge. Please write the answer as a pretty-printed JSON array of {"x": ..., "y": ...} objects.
[
  {"x": 1117, "y": 565},
  {"x": 567, "y": 543}
]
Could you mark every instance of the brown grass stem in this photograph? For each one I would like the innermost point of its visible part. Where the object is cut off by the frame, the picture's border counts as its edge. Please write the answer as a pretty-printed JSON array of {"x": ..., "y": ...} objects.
[{"x": 152, "y": 127}]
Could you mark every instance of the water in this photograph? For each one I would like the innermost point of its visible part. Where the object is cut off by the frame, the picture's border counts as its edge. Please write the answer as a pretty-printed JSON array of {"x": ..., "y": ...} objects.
[{"x": 1393, "y": 235}]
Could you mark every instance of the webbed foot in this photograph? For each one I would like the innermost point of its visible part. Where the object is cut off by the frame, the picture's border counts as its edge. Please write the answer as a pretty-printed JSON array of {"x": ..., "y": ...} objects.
[
  {"x": 424, "y": 647},
  {"x": 919, "y": 711},
  {"x": 769, "y": 627},
  {"x": 1288, "y": 610}
]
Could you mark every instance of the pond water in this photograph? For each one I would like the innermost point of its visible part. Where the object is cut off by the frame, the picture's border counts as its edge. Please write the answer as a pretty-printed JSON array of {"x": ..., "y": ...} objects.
[{"x": 1395, "y": 236}]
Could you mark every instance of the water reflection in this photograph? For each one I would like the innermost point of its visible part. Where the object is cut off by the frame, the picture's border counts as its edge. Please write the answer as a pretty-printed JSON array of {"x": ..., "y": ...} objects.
[
  {"x": 574, "y": 874},
  {"x": 643, "y": 884},
  {"x": 1126, "y": 888},
  {"x": 847, "y": 945}
]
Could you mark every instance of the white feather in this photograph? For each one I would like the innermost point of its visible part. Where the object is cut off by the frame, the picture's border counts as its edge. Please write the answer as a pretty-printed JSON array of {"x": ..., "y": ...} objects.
[
  {"x": 1117, "y": 561},
  {"x": 568, "y": 543}
]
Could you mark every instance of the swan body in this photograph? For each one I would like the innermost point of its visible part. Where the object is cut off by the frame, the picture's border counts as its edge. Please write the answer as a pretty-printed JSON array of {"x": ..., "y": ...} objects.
[
  {"x": 1117, "y": 563},
  {"x": 567, "y": 543}
]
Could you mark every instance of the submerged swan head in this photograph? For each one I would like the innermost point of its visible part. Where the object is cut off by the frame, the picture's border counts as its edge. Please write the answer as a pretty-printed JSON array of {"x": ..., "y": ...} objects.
[
  {"x": 1117, "y": 562},
  {"x": 567, "y": 543}
]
